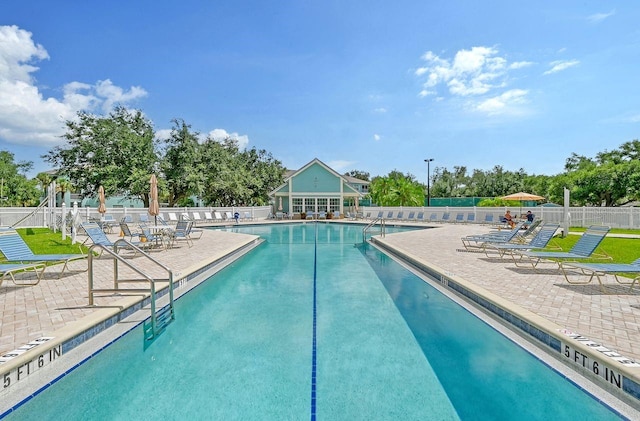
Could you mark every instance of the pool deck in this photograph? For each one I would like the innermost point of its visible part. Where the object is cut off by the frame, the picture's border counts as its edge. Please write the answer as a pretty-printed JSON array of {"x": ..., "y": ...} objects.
[{"x": 613, "y": 320}]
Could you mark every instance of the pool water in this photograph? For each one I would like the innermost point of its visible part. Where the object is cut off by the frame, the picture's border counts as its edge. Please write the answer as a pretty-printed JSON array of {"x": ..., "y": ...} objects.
[{"x": 315, "y": 324}]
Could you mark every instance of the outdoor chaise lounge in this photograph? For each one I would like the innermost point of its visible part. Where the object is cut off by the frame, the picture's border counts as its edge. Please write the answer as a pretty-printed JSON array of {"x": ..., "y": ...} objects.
[
  {"x": 474, "y": 242},
  {"x": 598, "y": 270},
  {"x": 97, "y": 236},
  {"x": 540, "y": 241},
  {"x": 584, "y": 248},
  {"x": 16, "y": 250},
  {"x": 10, "y": 269}
]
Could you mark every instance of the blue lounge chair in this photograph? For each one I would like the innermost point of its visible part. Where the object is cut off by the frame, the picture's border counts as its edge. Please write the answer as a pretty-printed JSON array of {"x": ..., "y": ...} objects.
[
  {"x": 380, "y": 215},
  {"x": 584, "y": 248},
  {"x": 433, "y": 217},
  {"x": 474, "y": 242},
  {"x": 412, "y": 216},
  {"x": 540, "y": 241},
  {"x": 97, "y": 236},
  {"x": 10, "y": 269},
  {"x": 390, "y": 215},
  {"x": 488, "y": 219},
  {"x": 471, "y": 218},
  {"x": 446, "y": 217},
  {"x": 598, "y": 270},
  {"x": 400, "y": 216},
  {"x": 16, "y": 250},
  {"x": 459, "y": 218},
  {"x": 420, "y": 217}
]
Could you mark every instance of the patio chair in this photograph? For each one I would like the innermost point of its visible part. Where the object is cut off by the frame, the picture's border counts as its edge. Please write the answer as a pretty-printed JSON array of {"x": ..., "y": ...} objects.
[
  {"x": 173, "y": 217},
  {"x": 10, "y": 269},
  {"x": 218, "y": 216},
  {"x": 400, "y": 216},
  {"x": 540, "y": 241},
  {"x": 125, "y": 231},
  {"x": 182, "y": 231},
  {"x": 584, "y": 248},
  {"x": 128, "y": 219},
  {"x": 598, "y": 270},
  {"x": 143, "y": 218},
  {"x": 471, "y": 218},
  {"x": 208, "y": 217},
  {"x": 420, "y": 217},
  {"x": 446, "y": 217},
  {"x": 459, "y": 218},
  {"x": 322, "y": 215},
  {"x": 109, "y": 222},
  {"x": 478, "y": 241},
  {"x": 433, "y": 217},
  {"x": 97, "y": 236},
  {"x": 380, "y": 215},
  {"x": 390, "y": 215},
  {"x": 228, "y": 216},
  {"x": 488, "y": 219},
  {"x": 16, "y": 250},
  {"x": 411, "y": 216},
  {"x": 247, "y": 216}
]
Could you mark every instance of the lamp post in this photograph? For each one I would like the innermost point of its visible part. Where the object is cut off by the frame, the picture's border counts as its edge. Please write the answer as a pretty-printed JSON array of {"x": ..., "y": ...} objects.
[{"x": 428, "y": 160}]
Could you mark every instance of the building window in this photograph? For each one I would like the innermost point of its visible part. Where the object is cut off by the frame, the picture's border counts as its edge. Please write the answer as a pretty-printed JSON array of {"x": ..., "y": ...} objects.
[
  {"x": 322, "y": 204},
  {"x": 334, "y": 204},
  {"x": 309, "y": 204},
  {"x": 296, "y": 205}
]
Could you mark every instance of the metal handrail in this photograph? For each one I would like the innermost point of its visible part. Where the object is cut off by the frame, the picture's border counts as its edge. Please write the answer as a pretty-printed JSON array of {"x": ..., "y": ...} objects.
[
  {"x": 40, "y": 206},
  {"x": 122, "y": 243},
  {"x": 370, "y": 225}
]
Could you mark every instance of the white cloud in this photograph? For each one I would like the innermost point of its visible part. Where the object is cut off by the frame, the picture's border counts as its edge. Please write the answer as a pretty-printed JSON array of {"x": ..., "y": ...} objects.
[
  {"x": 222, "y": 134},
  {"x": 560, "y": 65},
  {"x": 380, "y": 110},
  {"x": 163, "y": 134},
  {"x": 376, "y": 137},
  {"x": 26, "y": 116},
  {"x": 470, "y": 73},
  {"x": 599, "y": 17},
  {"x": 504, "y": 103}
]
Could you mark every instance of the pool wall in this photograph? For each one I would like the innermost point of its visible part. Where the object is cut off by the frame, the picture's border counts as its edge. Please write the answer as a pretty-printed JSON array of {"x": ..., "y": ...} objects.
[
  {"x": 18, "y": 367},
  {"x": 610, "y": 370}
]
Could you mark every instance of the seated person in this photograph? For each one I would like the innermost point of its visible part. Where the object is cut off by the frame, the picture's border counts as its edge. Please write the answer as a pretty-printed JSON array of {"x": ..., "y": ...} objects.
[
  {"x": 530, "y": 216},
  {"x": 509, "y": 219}
]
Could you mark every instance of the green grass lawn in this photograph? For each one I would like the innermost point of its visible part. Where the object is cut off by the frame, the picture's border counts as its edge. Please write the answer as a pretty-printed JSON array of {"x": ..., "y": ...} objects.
[{"x": 45, "y": 241}]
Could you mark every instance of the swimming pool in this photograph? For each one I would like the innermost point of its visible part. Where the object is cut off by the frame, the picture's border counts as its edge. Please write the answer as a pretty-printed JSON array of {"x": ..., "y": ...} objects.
[{"x": 311, "y": 324}]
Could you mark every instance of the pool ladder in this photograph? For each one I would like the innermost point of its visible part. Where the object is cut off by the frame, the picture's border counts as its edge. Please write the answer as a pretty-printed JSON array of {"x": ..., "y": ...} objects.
[
  {"x": 159, "y": 319},
  {"x": 365, "y": 230}
]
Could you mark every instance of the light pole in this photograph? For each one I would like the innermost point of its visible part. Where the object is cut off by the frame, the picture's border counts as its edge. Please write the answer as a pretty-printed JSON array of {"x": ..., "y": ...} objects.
[{"x": 428, "y": 160}]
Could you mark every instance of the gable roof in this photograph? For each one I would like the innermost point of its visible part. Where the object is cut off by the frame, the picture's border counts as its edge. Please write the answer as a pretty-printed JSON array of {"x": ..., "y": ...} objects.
[{"x": 290, "y": 174}]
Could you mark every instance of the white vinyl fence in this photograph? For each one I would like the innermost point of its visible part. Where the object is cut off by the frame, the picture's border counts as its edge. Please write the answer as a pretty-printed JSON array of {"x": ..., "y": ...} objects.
[{"x": 626, "y": 217}]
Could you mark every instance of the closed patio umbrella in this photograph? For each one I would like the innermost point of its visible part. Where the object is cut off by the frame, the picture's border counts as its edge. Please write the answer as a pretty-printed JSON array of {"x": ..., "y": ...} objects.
[
  {"x": 280, "y": 203},
  {"x": 102, "y": 207},
  {"x": 154, "y": 208}
]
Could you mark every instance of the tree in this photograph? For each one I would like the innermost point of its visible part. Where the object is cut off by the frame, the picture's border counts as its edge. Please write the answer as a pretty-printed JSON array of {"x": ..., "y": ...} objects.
[
  {"x": 15, "y": 188},
  {"x": 117, "y": 151},
  {"x": 397, "y": 189},
  {"x": 360, "y": 175},
  {"x": 182, "y": 164},
  {"x": 238, "y": 178}
]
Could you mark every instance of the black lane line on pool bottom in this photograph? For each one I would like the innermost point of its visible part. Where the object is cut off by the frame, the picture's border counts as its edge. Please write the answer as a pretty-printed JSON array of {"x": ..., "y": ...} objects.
[{"x": 313, "y": 348}]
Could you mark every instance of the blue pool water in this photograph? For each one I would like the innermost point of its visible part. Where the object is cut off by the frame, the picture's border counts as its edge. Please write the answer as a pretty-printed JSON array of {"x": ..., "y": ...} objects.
[{"x": 314, "y": 324}]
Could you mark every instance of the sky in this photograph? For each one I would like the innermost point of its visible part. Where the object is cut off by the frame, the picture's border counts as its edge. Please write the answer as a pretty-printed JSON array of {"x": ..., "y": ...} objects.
[{"x": 373, "y": 85}]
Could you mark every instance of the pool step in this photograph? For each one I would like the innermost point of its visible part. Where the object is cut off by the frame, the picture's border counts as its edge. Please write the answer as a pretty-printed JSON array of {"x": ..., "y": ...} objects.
[{"x": 161, "y": 319}]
